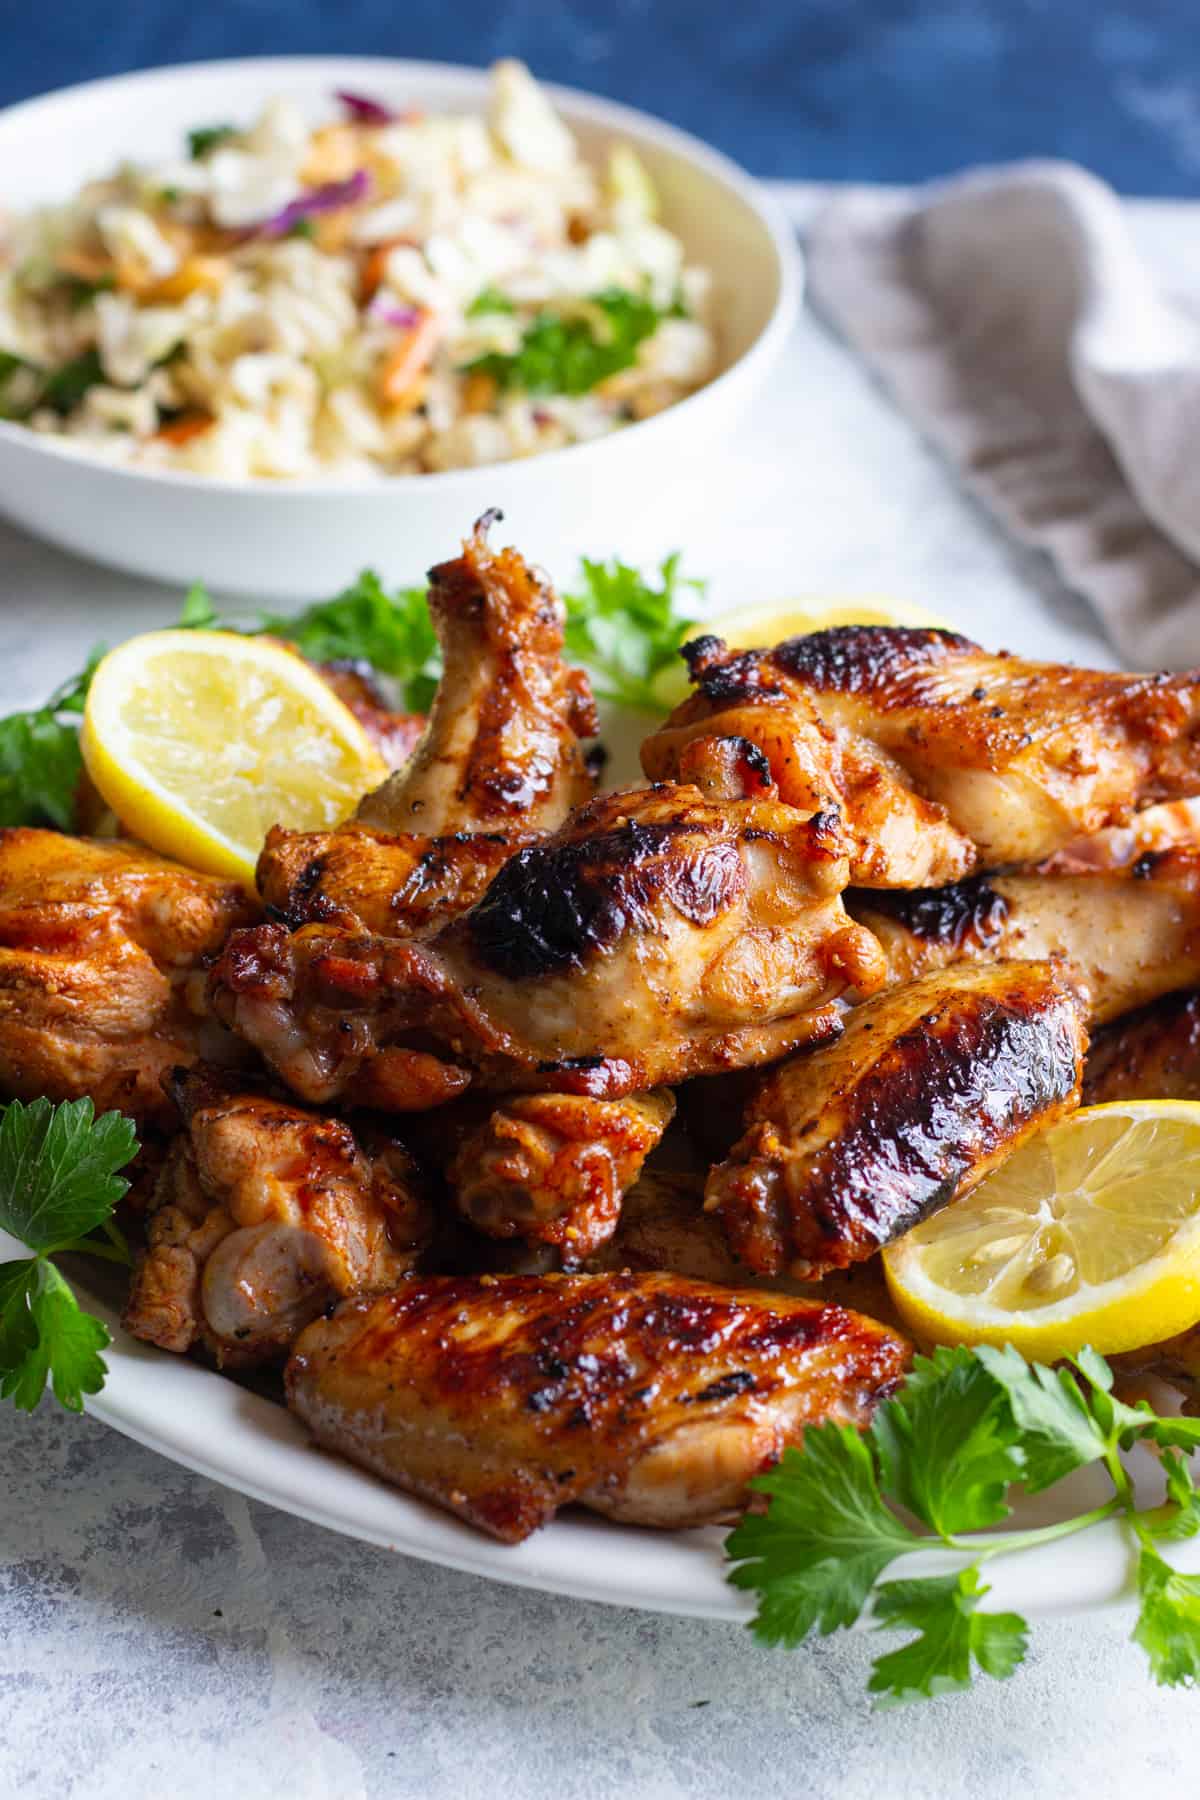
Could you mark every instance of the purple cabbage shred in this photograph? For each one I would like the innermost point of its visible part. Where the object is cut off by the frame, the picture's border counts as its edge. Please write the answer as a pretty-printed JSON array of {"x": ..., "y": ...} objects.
[
  {"x": 330, "y": 198},
  {"x": 364, "y": 109}
]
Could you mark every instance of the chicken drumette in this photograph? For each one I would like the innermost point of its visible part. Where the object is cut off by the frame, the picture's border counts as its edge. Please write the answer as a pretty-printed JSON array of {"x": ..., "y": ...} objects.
[
  {"x": 263, "y": 1215},
  {"x": 650, "y": 1398}
]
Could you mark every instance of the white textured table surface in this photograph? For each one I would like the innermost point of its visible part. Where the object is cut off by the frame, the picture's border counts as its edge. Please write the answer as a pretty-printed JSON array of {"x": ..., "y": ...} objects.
[{"x": 160, "y": 1635}]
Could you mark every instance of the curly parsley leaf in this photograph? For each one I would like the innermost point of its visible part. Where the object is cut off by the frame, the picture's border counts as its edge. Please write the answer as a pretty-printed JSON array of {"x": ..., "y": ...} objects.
[
  {"x": 953, "y": 1634},
  {"x": 59, "y": 1183},
  {"x": 572, "y": 353},
  {"x": 815, "y": 1556},
  {"x": 628, "y": 629}
]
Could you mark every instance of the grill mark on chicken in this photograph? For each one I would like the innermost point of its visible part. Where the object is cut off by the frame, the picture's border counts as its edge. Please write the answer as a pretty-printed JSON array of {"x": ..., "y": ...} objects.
[
  {"x": 855, "y": 659},
  {"x": 961, "y": 914},
  {"x": 555, "y": 904},
  {"x": 650, "y": 1398},
  {"x": 929, "y": 1086},
  {"x": 721, "y": 948}
]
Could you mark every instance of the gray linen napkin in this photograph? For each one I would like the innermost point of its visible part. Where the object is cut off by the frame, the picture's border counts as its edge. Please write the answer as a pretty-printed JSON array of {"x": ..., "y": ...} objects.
[{"x": 1012, "y": 317}]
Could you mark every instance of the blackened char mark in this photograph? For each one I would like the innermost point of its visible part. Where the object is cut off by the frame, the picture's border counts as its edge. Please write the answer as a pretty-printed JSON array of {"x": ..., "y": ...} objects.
[
  {"x": 863, "y": 659},
  {"x": 554, "y": 905},
  {"x": 727, "y": 679},
  {"x": 947, "y": 1095},
  {"x": 964, "y": 912}
]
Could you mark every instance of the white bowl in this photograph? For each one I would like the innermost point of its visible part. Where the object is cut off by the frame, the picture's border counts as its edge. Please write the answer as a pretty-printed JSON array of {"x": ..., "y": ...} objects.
[{"x": 305, "y": 539}]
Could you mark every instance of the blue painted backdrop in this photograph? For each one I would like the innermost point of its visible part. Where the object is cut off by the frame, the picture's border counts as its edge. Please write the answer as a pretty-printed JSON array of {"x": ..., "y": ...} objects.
[{"x": 885, "y": 89}]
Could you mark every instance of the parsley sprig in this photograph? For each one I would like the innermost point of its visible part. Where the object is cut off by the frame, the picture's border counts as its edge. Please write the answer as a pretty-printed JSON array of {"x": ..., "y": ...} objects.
[
  {"x": 59, "y": 1184},
  {"x": 946, "y": 1452},
  {"x": 627, "y": 628}
]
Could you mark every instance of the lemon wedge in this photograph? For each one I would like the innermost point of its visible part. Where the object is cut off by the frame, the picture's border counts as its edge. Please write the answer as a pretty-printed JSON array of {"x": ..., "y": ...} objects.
[
  {"x": 199, "y": 741},
  {"x": 751, "y": 627},
  {"x": 1088, "y": 1234}
]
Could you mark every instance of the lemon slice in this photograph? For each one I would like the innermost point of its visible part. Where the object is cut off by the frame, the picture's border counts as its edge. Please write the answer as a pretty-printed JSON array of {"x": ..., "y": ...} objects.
[
  {"x": 199, "y": 741},
  {"x": 751, "y": 627},
  {"x": 1088, "y": 1234}
]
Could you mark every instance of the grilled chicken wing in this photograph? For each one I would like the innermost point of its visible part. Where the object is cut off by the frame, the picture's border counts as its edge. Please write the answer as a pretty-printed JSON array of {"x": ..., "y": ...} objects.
[
  {"x": 1017, "y": 758},
  {"x": 1153, "y": 1054},
  {"x": 929, "y": 1087},
  {"x": 649, "y": 1398},
  {"x": 656, "y": 935},
  {"x": 503, "y": 743},
  {"x": 1128, "y": 935},
  {"x": 101, "y": 970},
  {"x": 264, "y": 1214},
  {"x": 553, "y": 1168}
]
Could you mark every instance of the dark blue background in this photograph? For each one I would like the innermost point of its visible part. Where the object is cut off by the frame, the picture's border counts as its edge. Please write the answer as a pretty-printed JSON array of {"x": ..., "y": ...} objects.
[{"x": 830, "y": 89}]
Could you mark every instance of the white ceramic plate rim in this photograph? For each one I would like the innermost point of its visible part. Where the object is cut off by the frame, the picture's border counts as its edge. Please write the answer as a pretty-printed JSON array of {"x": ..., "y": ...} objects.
[
  {"x": 362, "y": 73},
  {"x": 210, "y": 1424}
]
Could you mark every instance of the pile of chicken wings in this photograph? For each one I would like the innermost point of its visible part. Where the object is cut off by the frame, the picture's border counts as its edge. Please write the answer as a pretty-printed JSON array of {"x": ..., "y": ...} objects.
[{"x": 543, "y": 1137}]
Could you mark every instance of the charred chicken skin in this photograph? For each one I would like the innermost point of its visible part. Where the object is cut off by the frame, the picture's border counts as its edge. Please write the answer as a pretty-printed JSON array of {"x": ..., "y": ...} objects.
[
  {"x": 929, "y": 1087},
  {"x": 503, "y": 746},
  {"x": 264, "y": 1215},
  {"x": 102, "y": 978},
  {"x": 655, "y": 935},
  {"x": 1128, "y": 936},
  {"x": 649, "y": 1398},
  {"x": 1015, "y": 759},
  {"x": 396, "y": 884}
]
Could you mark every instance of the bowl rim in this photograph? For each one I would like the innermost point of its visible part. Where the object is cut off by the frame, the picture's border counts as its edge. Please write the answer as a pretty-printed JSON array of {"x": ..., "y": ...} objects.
[{"x": 595, "y": 109}]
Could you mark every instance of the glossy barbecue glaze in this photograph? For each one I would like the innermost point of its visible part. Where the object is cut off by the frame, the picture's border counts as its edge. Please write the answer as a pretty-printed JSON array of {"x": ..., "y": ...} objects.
[
  {"x": 650, "y": 1398},
  {"x": 928, "y": 1088}
]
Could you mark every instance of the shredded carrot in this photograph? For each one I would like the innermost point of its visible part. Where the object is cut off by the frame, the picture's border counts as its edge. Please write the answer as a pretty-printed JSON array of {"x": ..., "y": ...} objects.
[
  {"x": 479, "y": 392},
  {"x": 406, "y": 361},
  {"x": 375, "y": 267},
  {"x": 187, "y": 426}
]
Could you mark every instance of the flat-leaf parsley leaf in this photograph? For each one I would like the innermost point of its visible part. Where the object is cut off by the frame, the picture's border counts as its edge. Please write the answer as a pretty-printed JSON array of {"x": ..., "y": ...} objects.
[{"x": 59, "y": 1183}]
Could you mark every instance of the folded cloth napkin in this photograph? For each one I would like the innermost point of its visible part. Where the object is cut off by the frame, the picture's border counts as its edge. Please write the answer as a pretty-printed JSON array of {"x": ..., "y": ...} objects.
[{"x": 1011, "y": 315}]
